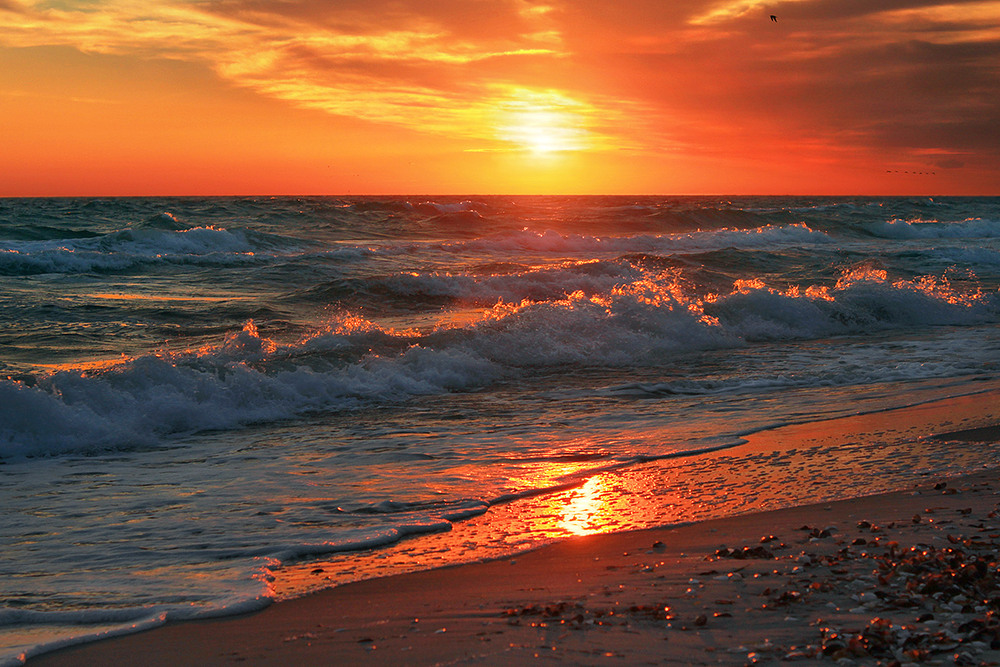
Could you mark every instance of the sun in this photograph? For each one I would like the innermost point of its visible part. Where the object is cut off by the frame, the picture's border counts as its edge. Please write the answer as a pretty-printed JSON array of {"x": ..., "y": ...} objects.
[
  {"x": 544, "y": 132},
  {"x": 543, "y": 124}
]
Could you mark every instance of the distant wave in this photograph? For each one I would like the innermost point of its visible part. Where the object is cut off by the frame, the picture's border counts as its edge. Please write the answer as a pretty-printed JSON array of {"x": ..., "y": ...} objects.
[
  {"x": 909, "y": 229},
  {"x": 966, "y": 256},
  {"x": 710, "y": 270},
  {"x": 426, "y": 207},
  {"x": 550, "y": 241},
  {"x": 130, "y": 248},
  {"x": 473, "y": 288}
]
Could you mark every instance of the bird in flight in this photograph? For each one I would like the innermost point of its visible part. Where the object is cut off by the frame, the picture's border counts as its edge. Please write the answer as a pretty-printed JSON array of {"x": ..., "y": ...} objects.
[{"x": 774, "y": 18}]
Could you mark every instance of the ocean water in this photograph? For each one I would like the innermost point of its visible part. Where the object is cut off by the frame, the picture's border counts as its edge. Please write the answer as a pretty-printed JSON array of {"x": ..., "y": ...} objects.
[{"x": 198, "y": 392}]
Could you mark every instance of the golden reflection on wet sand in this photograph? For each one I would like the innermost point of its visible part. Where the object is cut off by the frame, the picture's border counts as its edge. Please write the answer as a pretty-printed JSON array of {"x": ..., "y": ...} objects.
[
  {"x": 794, "y": 465},
  {"x": 587, "y": 511}
]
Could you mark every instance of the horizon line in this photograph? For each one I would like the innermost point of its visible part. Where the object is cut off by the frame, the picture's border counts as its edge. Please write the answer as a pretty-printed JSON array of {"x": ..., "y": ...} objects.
[{"x": 481, "y": 194}]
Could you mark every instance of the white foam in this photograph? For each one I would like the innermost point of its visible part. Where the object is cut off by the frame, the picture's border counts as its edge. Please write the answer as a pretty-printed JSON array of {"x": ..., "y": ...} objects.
[
  {"x": 768, "y": 236},
  {"x": 538, "y": 284},
  {"x": 933, "y": 229},
  {"x": 133, "y": 247},
  {"x": 249, "y": 378},
  {"x": 466, "y": 206}
]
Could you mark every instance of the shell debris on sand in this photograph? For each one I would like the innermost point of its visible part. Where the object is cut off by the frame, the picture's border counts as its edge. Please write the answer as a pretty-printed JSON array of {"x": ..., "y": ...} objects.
[{"x": 906, "y": 592}]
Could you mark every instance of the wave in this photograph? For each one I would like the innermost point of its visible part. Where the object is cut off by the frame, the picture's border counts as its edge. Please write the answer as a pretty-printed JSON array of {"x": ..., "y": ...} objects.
[
  {"x": 933, "y": 229},
  {"x": 44, "y": 233},
  {"x": 871, "y": 364},
  {"x": 130, "y": 248},
  {"x": 351, "y": 362},
  {"x": 483, "y": 286},
  {"x": 555, "y": 242},
  {"x": 84, "y": 626},
  {"x": 965, "y": 256},
  {"x": 552, "y": 242},
  {"x": 164, "y": 240},
  {"x": 719, "y": 217},
  {"x": 713, "y": 270},
  {"x": 426, "y": 207},
  {"x": 438, "y": 208}
]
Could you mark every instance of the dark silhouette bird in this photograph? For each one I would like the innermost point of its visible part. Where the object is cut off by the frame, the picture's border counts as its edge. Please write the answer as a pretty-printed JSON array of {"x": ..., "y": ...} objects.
[{"x": 774, "y": 18}]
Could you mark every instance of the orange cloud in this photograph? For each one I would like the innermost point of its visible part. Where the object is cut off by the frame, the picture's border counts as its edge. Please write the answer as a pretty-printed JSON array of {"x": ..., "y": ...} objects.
[
  {"x": 841, "y": 87},
  {"x": 364, "y": 61},
  {"x": 894, "y": 80}
]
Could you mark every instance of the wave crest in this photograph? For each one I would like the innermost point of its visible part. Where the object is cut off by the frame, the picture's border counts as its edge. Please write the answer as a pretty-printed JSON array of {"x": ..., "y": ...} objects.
[
  {"x": 352, "y": 361},
  {"x": 932, "y": 229},
  {"x": 130, "y": 248}
]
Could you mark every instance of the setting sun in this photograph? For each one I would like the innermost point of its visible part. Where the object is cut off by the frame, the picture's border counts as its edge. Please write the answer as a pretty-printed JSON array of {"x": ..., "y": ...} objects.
[
  {"x": 544, "y": 124},
  {"x": 543, "y": 132}
]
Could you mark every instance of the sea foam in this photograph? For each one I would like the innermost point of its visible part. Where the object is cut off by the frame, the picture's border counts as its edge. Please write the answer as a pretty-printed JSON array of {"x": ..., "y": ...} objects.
[
  {"x": 933, "y": 229},
  {"x": 131, "y": 248},
  {"x": 353, "y": 362}
]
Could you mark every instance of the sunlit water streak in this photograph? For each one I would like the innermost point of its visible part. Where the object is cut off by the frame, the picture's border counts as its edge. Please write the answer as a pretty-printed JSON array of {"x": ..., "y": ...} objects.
[{"x": 200, "y": 390}]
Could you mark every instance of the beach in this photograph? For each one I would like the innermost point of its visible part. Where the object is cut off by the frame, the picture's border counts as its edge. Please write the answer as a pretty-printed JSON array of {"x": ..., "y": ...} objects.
[{"x": 903, "y": 577}]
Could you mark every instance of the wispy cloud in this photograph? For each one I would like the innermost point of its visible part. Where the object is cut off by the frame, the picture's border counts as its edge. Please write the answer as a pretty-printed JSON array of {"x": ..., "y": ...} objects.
[{"x": 435, "y": 69}]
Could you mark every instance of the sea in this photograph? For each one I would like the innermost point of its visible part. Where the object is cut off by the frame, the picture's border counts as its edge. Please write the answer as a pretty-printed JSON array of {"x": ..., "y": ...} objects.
[{"x": 200, "y": 394}]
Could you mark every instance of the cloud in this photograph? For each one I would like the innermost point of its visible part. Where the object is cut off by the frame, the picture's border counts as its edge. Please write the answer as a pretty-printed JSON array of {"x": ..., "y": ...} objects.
[
  {"x": 845, "y": 9},
  {"x": 695, "y": 76},
  {"x": 12, "y": 6},
  {"x": 905, "y": 75},
  {"x": 410, "y": 64}
]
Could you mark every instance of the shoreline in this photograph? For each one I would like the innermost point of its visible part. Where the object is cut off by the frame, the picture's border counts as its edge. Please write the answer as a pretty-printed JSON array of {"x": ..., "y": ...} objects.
[
  {"x": 795, "y": 464},
  {"x": 838, "y": 580},
  {"x": 780, "y": 585}
]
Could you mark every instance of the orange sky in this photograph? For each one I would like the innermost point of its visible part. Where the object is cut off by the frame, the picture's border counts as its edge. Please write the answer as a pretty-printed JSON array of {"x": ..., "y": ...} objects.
[{"x": 116, "y": 97}]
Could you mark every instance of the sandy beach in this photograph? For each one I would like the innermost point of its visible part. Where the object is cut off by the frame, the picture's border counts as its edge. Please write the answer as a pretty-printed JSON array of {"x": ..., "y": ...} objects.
[{"x": 897, "y": 578}]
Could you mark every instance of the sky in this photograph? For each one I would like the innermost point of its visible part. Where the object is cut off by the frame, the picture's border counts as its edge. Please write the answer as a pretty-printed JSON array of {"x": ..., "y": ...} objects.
[{"x": 245, "y": 97}]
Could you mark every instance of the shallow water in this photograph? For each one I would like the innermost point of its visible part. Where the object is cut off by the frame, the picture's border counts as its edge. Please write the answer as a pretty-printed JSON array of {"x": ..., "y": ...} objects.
[{"x": 201, "y": 389}]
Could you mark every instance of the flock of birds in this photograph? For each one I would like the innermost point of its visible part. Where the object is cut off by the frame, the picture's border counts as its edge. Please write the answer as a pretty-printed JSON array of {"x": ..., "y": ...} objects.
[{"x": 888, "y": 171}]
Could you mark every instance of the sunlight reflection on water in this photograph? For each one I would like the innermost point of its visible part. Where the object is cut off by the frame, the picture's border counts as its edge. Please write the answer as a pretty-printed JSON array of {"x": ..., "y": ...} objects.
[{"x": 587, "y": 511}]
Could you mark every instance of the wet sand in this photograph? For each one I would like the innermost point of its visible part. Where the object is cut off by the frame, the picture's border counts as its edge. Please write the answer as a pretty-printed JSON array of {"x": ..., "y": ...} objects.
[{"x": 904, "y": 577}]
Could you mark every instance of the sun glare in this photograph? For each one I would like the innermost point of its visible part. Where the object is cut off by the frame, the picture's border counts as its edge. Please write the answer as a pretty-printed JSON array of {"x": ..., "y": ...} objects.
[
  {"x": 543, "y": 123},
  {"x": 544, "y": 132},
  {"x": 585, "y": 512}
]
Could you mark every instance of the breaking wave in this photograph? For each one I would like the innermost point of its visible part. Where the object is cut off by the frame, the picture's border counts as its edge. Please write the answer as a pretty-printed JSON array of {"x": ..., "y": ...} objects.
[
  {"x": 933, "y": 229},
  {"x": 650, "y": 321},
  {"x": 131, "y": 248}
]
